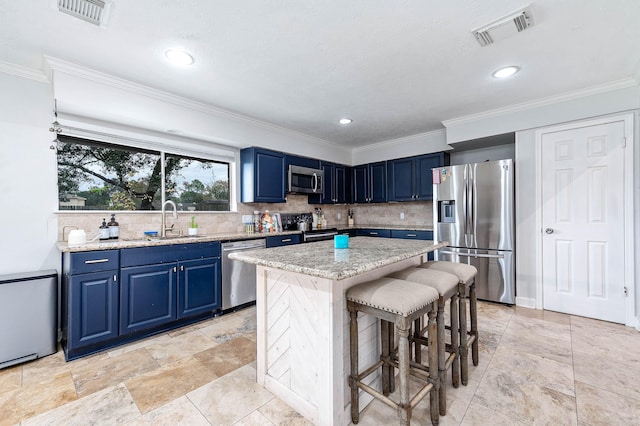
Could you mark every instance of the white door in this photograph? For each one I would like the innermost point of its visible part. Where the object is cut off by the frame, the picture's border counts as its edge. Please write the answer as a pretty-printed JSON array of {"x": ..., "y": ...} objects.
[{"x": 583, "y": 243}]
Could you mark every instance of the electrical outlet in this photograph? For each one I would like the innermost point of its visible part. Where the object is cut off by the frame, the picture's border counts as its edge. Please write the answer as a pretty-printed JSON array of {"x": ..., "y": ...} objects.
[
  {"x": 247, "y": 218},
  {"x": 339, "y": 216},
  {"x": 402, "y": 215}
]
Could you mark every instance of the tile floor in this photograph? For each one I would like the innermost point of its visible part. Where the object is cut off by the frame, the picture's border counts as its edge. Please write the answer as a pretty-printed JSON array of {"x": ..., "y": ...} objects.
[{"x": 536, "y": 368}]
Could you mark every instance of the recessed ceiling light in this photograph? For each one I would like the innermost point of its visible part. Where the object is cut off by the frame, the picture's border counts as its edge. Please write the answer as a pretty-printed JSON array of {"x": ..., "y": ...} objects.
[
  {"x": 506, "y": 72},
  {"x": 345, "y": 121},
  {"x": 179, "y": 57}
]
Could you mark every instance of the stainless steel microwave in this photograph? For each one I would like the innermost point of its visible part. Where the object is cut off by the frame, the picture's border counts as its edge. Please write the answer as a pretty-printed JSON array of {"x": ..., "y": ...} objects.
[{"x": 305, "y": 180}]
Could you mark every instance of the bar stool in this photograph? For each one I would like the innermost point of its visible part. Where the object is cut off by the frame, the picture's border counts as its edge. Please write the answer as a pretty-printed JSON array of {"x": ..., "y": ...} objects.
[
  {"x": 466, "y": 275},
  {"x": 398, "y": 302},
  {"x": 447, "y": 287}
]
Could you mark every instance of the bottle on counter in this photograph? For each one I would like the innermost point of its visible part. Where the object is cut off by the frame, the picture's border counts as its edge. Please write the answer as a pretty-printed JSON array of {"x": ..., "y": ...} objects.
[
  {"x": 114, "y": 228},
  {"x": 103, "y": 230}
]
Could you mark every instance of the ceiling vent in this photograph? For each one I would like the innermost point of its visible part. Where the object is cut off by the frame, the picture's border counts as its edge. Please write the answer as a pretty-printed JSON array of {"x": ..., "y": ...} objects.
[
  {"x": 88, "y": 10},
  {"x": 504, "y": 27}
]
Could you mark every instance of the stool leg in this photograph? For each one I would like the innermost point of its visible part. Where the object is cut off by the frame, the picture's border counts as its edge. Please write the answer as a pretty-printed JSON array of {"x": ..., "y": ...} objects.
[
  {"x": 353, "y": 343},
  {"x": 417, "y": 332},
  {"x": 441, "y": 344},
  {"x": 464, "y": 368},
  {"x": 433, "y": 375},
  {"x": 404, "y": 355},
  {"x": 473, "y": 308},
  {"x": 455, "y": 341},
  {"x": 392, "y": 347},
  {"x": 384, "y": 338}
]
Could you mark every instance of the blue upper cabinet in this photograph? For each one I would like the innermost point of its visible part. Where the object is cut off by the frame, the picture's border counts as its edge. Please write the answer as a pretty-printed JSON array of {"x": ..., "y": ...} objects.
[
  {"x": 263, "y": 178},
  {"x": 410, "y": 179},
  {"x": 370, "y": 183},
  {"x": 336, "y": 188}
]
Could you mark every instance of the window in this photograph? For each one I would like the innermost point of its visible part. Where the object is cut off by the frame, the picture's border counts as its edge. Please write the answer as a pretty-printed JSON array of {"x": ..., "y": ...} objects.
[{"x": 100, "y": 176}]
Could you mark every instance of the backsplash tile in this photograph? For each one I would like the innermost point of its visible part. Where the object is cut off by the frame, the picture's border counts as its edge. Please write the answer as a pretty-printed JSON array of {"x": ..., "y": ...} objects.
[{"x": 133, "y": 224}]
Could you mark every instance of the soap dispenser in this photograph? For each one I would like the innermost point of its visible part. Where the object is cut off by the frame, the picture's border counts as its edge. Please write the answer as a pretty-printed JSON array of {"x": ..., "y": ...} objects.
[
  {"x": 114, "y": 228},
  {"x": 103, "y": 230}
]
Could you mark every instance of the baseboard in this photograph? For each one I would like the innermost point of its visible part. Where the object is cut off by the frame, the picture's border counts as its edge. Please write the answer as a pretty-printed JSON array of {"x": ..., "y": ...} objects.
[{"x": 525, "y": 302}]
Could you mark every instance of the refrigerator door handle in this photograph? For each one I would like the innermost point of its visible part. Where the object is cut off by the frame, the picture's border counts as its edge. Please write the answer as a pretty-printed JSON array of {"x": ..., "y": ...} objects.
[
  {"x": 472, "y": 211},
  {"x": 489, "y": 256},
  {"x": 465, "y": 205}
]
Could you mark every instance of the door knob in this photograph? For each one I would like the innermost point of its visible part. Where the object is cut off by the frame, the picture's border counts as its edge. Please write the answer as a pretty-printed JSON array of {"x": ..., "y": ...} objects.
[{"x": 549, "y": 231}]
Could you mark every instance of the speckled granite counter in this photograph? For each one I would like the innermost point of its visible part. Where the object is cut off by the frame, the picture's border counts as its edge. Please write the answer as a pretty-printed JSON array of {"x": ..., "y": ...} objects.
[
  {"x": 379, "y": 226},
  {"x": 322, "y": 260},
  {"x": 303, "y": 323},
  {"x": 127, "y": 243}
]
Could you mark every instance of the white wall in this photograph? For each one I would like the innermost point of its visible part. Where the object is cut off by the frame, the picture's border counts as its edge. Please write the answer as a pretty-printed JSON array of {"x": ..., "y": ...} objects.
[
  {"x": 28, "y": 177},
  {"x": 479, "y": 155}
]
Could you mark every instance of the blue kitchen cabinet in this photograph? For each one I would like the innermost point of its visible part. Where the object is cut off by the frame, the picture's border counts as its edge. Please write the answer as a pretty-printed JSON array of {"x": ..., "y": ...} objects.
[
  {"x": 199, "y": 288},
  {"x": 413, "y": 235},
  {"x": 410, "y": 179},
  {"x": 262, "y": 176},
  {"x": 384, "y": 233},
  {"x": 336, "y": 188},
  {"x": 147, "y": 297},
  {"x": 283, "y": 240},
  {"x": 370, "y": 183},
  {"x": 89, "y": 301}
]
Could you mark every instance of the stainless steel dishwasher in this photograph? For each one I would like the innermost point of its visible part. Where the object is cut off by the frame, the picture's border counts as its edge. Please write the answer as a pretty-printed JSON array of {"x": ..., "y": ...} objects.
[{"x": 238, "y": 278}]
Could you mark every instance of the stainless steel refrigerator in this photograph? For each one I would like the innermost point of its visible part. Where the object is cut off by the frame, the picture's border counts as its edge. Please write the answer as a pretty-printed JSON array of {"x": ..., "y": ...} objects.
[{"x": 473, "y": 209}]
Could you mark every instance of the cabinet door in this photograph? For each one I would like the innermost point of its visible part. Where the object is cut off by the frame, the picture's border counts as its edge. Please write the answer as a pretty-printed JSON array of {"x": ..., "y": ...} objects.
[
  {"x": 342, "y": 193},
  {"x": 262, "y": 176},
  {"x": 401, "y": 182},
  {"x": 147, "y": 297},
  {"x": 378, "y": 182},
  {"x": 383, "y": 233},
  {"x": 361, "y": 184},
  {"x": 93, "y": 308},
  {"x": 199, "y": 286},
  {"x": 328, "y": 188},
  {"x": 424, "y": 179}
]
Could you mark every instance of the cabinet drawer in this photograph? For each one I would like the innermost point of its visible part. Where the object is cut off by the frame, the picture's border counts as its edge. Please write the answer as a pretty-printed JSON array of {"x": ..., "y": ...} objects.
[
  {"x": 385, "y": 233},
  {"x": 163, "y": 254},
  {"x": 283, "y": 240},
  {"x": 93, "y": 261},
  {"x": 412, "y": 235}
]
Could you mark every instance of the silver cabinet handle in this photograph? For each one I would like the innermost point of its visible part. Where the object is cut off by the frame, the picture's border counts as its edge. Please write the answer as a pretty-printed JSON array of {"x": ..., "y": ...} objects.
[
  {"x": 115, "y": 277},
  {"x": 373, "y": 233},
  {"x": 182, "y": 267},
  {"x": 286, "y": 240},
  {"x": 411, "y": 235},
  {"x": 549, "y": 231},
  {"x": 175, "y": 269},
  {"x": 89, "y": 262}
]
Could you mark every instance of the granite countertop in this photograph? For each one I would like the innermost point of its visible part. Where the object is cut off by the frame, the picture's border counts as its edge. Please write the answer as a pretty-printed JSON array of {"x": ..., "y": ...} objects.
[
  {"x": 320, "y": 259},
  {"x": 378, "y": 226},
  {"x": 142, "y": 242}
]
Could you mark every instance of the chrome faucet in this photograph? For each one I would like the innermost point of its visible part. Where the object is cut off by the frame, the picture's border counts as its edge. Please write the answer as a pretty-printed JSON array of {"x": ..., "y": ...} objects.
[{"x": 163, "y": 231}]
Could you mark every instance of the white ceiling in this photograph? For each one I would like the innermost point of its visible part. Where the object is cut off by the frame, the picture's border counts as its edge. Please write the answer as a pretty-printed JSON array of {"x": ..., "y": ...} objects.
[{"x": 397, "y": 68}]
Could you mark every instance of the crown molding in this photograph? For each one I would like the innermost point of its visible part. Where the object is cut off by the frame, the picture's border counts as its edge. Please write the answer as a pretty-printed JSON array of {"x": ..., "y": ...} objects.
[
  {"x": 400, "y": 141},
  {"x": 24, "y": 72},
  {"x": 590, "y": 91},
  {"x": 60, "y": 65}
]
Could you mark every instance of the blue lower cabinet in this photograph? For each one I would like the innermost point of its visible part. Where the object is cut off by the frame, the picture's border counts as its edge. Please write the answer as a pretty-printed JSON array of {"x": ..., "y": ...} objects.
[
  {"x": 147, "y": 297},
  {"x": 413, "y": 235},
  {"x": 385, "y": 233},
  {"x": 93, "y": 309},
  {"x": 283, "y": 240},
  {"x": 199, "y": 288}
]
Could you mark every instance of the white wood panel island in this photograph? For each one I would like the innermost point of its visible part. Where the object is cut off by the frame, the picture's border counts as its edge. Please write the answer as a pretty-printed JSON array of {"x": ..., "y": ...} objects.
[{"x": 302, "y": 319}]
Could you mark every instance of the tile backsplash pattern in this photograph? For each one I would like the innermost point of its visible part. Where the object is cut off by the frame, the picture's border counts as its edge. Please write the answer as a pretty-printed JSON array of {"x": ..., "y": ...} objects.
[{"x": 133, "y": 224}]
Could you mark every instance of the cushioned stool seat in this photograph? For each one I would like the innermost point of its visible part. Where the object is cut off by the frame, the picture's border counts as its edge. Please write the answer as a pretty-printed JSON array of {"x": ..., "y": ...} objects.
[
  {"x": 398, "y": 302},
  {"x": 447, "y": 287},
  {"x": 467, "y": 288}
]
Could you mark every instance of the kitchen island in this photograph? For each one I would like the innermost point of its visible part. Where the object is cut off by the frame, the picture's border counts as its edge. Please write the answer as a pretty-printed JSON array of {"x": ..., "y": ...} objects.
[{"x": 302, "y": 319}]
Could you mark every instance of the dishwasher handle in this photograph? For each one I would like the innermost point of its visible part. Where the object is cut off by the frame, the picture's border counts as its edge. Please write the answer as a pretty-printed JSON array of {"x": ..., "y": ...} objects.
[{"x": 236, "y": 247}]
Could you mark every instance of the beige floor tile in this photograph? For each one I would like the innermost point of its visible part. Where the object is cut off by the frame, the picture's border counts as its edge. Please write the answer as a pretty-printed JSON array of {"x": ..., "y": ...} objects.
[
  {"x": 11, "y": 378},
  {"x": 254, "y": 419},
  {"x": 615, "y": 374},
  {"x": 29, "y": 401},
  {"x": 618, "y": 409},
  {"x": 109, "y": 406},
  {"x": 526, "y": 339},
  {"x": 228, "y": 356},
  {"x": 543, "y": 315},
  {"x": 180, "y": 347},
  {"x": 163, "y": 338},
  {"x": 479, "y": 415},
  {"x": 180, "y": 411},
  {"x": 230, "y": 398},
  {"x": 280, "y": 413},
  {"x": 106, "y": 372},
  {"x": 223, "y": 331},
  {"x": 160, "y": 386}
]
